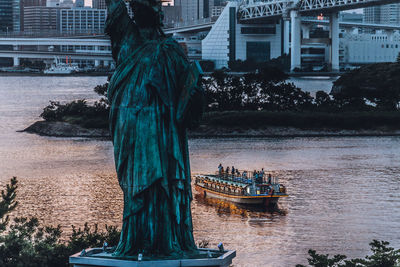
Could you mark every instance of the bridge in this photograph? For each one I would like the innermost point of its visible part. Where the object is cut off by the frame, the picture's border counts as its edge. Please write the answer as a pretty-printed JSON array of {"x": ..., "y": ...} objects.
[
  {"x": 293, "y": 10},
  {"x": 91, "y": 48},
  {"x": 259, "y": 9}
]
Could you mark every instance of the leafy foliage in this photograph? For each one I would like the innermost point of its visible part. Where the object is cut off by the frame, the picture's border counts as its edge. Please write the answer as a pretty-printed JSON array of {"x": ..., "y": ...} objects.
[
  {"x": 382, "y": 256},
  {"x": 264, "y": 90},
  {"x": 8, "y": 203},
  {"x": 26, "y": 243},
  {"x": 79, "y": 112},
  {"x": 378, "y": 84}
]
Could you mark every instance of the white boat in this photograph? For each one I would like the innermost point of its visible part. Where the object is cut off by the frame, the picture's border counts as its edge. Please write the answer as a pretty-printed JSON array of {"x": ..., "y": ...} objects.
[{"x": 61, "y": 68}]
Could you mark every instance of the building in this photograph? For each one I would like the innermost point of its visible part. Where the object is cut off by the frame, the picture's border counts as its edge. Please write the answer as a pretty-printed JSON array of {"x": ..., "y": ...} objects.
[
  {"x": 386, "y": 14},
  {"x": 53, "y": 3},
  {"x": 194, "y": 10},
  {"x": 28, "y": 3},
  {"x": 82, "y": 20},
  {"x": 41, "y": 19},
  {"x": 6, "y": 16},
  {"x": 230, "y": 41},
  {"x": 16, "y": 17},
  {"x": 358, "y": 49},
  {"x": 351, "y": 17},
  {"x": 79, "y": 3},
  {"x": 99, "y": 4},
  {"x": 172, "y": 15},
  {"x": 67, "y": 4}
]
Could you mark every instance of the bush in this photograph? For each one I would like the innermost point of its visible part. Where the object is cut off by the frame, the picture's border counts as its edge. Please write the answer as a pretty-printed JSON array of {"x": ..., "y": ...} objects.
[
  {"x": 382, "y": 256},
  {"x": 207, "y": 65},
  {"x": 79, "y": 112},
  {"x": 26, "y": 243}
]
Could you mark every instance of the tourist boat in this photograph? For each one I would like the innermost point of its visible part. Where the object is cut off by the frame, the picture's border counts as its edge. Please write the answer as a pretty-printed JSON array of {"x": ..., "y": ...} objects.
[
  {"x": 240, "y": 189},
  {"x": 62, "y": 68}
]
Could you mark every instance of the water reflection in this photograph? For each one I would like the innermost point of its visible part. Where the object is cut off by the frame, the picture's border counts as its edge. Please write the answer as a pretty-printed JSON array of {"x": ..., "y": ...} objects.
[{"x": 229, "y": 208}]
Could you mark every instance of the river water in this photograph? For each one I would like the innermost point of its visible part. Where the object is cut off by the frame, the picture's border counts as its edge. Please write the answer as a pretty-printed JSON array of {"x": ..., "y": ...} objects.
[{"x": 344, "y": 191}]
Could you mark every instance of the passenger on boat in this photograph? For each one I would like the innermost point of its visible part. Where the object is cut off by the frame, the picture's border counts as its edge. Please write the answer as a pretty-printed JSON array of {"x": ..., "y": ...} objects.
[
  {"x": 227, "y": 171},
  {"x": 237, "y": 173},
  {"x": 255, "y": 176},
  {"x": 244, "y": 175},
  {"x": 233, "y": 171},
  {"x": 269, "y": 178},
  {"x": 220, "y": 169},
  {"x": 262, "y": 173}
]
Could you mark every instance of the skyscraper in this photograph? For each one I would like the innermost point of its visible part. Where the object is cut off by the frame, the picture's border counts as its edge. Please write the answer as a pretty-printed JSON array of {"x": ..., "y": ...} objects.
[
  {"x": 6, "y": 16},
  {"x": 82, "y": 20},
  {"x": 99, "y": 4},
  {"x": 28, "y": 3},
  {"x": 41, "y": 19},
  {"x": 16, "y": 17},
  {"x": 191, "y": 10},
  {"x": 386, "y": 14}
]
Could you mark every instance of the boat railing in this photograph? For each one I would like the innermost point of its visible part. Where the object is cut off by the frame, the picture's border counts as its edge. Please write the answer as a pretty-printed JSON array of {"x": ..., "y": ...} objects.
[{"x": 247, "y": 177}]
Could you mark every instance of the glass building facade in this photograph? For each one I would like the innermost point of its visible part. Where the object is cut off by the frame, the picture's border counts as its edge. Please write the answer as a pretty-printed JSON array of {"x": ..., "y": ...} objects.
[{"x": 6, "y": 16}]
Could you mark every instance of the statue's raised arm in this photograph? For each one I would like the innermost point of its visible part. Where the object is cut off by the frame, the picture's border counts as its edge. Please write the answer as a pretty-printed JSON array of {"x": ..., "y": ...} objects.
[{"x": 119, "y": 26}]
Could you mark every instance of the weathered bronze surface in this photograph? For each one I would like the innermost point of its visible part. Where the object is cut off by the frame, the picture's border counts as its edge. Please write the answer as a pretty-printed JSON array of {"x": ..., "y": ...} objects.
[{"x": 155, "y": 95}]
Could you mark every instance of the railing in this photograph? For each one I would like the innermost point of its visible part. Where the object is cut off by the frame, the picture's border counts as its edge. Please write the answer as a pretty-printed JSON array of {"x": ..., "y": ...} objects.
[{"x": 51, "y": 33}]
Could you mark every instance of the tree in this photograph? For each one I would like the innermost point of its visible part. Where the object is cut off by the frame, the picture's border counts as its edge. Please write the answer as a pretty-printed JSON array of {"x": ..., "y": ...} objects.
[{"x": 8, "y": 203}]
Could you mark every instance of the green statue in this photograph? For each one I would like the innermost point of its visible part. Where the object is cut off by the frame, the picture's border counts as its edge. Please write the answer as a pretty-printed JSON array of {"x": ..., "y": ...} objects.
[{"x": 155, "y": 95}]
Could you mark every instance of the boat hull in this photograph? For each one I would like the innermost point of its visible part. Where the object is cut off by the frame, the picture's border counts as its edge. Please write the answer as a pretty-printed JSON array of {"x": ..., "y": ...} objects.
[{"x": 245, "y": 200}]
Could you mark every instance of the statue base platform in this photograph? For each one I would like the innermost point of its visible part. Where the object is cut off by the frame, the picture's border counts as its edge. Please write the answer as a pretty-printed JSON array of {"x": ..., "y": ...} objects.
[{"x": 98, "y": 257}]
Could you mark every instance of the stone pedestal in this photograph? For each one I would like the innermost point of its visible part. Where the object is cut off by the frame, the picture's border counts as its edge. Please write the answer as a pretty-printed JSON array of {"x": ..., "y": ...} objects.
[{"x": 207, "y": 257}]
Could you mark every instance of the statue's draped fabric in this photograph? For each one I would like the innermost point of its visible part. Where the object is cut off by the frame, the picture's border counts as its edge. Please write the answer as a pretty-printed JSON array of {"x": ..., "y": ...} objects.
[{"x": 154, "y": 95}]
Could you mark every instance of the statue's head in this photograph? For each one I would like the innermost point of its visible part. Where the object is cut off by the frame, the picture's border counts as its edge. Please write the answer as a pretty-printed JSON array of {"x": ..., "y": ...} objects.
[{"x": 147, "y": 13}]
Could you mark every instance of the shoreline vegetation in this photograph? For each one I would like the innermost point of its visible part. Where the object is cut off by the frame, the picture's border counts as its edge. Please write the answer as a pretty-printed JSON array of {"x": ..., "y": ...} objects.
[{"x": 363, "y": 102}]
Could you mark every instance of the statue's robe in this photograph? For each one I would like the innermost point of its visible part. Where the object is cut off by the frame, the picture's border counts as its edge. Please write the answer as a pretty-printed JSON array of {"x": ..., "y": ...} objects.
[{"x": 155, "y": 94}]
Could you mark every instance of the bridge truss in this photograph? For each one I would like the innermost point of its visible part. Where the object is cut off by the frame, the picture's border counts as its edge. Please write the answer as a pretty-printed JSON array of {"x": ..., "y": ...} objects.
[{"x": 254, "y": 9}]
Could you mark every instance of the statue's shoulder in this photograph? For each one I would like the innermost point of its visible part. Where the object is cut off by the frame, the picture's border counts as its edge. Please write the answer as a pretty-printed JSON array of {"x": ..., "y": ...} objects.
[{"x": 171, "y": 45}]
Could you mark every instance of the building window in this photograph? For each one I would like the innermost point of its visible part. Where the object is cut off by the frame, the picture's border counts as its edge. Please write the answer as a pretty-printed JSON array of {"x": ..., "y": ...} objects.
[
  {"x": 258, "y": 51},
  {"x": 258, "y": 30}
]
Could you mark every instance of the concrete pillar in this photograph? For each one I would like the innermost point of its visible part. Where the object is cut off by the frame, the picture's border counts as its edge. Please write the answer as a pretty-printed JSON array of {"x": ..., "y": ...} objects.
[
  {"x": 295, "y": 48},
  {"x": 390, "y": 34},
  {"x": 286, "y": 36},
  {"x": 16, "y": 61},
  {"x": 306, "y": 31},
  {"x": 334, "y": 35},
  {"x": 97, "y": 63}
]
